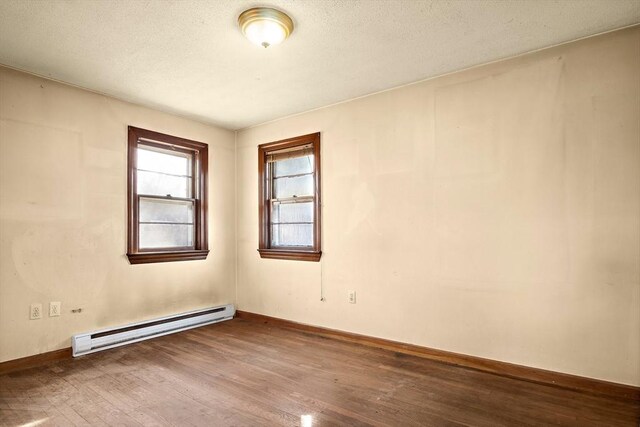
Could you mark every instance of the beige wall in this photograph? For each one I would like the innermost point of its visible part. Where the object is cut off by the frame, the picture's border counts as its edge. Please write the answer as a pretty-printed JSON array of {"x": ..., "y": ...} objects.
[
  {"x": 63, "y": 215},
  {"x": 493, "y": 212}
]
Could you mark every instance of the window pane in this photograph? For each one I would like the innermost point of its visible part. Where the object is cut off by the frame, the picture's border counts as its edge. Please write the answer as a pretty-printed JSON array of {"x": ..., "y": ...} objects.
[
  {"x": 154, "y": 210},
  {"x": 294, "y": 166},
  {"x": 289, "y": 187},
  {"x": 292, "y": 212},
  {"x": 165, "y": 236},
  {"x": 292, "y": 235},
  {"x": 157, "y": 160},
  {"x": 158, "y": 184}
]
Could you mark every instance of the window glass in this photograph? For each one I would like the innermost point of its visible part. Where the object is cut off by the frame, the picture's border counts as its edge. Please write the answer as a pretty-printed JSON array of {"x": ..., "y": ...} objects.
[
  {"x": 159, "y": 184},
  {"x": 289, "y": 187},
  {"x": 165, "y": 236},
  {"x": 287, "y": 235},
  {"x": 166, "y": 211},
  {"x": 292, "y": 212},
  {"x": 159, "y": 160},
  {"x": 294, "y": 166}
]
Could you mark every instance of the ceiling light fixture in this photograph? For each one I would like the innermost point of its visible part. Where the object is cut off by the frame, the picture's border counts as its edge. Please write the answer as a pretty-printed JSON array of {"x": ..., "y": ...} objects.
[{"x": 265, "y": 26}]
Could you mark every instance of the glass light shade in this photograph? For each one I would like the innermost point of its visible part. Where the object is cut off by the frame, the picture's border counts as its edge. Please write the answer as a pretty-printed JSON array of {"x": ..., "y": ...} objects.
[
  {"x": 265, "y": 26},
  {"x": 265, "y": 33}
]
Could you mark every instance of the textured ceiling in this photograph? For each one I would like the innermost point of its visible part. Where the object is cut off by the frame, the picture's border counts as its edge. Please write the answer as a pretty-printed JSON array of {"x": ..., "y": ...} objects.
[{"x": 188, "y": 57}]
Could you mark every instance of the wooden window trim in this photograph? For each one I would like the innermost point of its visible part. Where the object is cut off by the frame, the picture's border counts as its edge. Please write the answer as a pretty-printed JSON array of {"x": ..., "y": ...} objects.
[
  {"x": 201, "y": 158},
  {"x": 264, "y": 213}
]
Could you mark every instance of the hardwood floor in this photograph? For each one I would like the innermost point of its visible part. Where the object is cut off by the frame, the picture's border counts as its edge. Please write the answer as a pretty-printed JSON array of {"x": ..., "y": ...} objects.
[{"x": 249, "y": 374}]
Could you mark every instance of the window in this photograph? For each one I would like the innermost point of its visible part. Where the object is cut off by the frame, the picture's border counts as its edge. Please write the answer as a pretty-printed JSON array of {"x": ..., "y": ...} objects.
[
  {"x": 289, "y": 173},
  {"x": 167, "y": 203}
]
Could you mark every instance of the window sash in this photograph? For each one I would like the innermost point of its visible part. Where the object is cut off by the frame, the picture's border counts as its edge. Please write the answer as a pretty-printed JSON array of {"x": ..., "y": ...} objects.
[
  {"x": 194, "y": 205},
  {"x": 193, "y": 190},
  {"x": 272, "y": 158},
  {"x": 286, "y": 201},
  {"x": 171, "y": 150}
]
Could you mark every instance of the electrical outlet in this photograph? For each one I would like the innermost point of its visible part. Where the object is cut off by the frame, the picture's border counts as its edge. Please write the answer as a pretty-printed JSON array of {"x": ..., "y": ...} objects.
[
  {"x": 54, "y": 309},
  {"x": 36, "y": 311},
  {"x": 352, "y": 297}
]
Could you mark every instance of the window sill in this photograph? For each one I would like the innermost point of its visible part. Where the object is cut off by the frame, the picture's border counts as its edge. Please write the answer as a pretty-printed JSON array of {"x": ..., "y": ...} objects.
[
  {"x": 290, "y": 254},
  {"x": 149, "y": 257}
]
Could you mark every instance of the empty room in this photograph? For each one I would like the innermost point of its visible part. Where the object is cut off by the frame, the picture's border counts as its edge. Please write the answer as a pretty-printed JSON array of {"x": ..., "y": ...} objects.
[{"x": 320, "y": 213}]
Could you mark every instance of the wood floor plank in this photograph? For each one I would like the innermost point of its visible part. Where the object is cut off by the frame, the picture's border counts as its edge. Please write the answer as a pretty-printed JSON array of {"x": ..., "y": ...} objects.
[{"x": 245, "y": 373}]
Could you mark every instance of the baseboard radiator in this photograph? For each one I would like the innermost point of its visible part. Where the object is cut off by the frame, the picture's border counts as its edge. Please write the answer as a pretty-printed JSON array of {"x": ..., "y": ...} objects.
[{"x": 104, "y": 339}]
